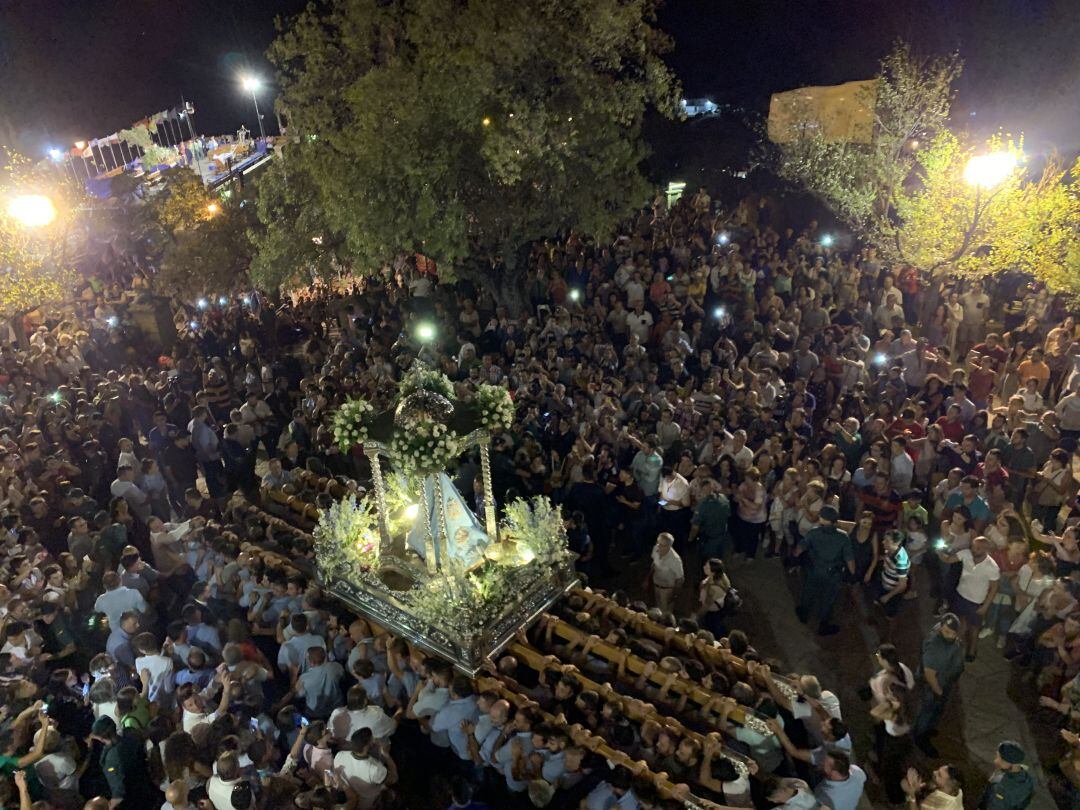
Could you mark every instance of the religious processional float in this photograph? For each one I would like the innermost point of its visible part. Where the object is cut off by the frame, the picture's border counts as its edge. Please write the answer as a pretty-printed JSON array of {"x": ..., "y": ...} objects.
[{"x": 411, "y": 555}]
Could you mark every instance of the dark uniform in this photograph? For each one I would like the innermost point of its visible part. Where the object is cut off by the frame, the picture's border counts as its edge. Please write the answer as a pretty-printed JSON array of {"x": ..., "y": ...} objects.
[
  {"x": 946, "y": 659},
  {"x": 828, "y": 551},
  {"x": 123, "y": 764},
  {"x": 711, "y": 517},
  {"x": 1009, "y": 790}
]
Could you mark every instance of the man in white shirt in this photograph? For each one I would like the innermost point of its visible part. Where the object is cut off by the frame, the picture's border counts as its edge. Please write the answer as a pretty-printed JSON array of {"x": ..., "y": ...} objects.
[
  {"x": 639, "y": 322},
  {"x": 666, "y": 573},
  {"x": 157, "y": 669},
  {"x": 365, "y": 773},
  {"x": 358, "y": 713},
  {"x": 976, "y": 589},
  {"x": 901, "y": 467},
  {"x": 124, "y": 487}
]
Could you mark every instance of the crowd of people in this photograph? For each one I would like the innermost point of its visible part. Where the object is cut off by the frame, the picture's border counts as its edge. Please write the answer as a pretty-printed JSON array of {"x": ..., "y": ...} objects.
[{"x": 702, "y": 393}]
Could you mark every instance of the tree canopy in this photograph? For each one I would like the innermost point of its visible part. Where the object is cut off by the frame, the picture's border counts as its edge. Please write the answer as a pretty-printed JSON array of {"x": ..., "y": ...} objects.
[
  {"x": 205, "y": 248},
  {"x": 464, "y": 131}
]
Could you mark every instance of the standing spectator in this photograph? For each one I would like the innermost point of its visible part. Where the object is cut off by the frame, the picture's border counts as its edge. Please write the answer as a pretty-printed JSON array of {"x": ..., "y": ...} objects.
[
  {"x": 941, "y": 667},
  {"x": 829, "y": 553},
  {"x": 666, "y": 573},
  {"x": 976, "y": 589}
]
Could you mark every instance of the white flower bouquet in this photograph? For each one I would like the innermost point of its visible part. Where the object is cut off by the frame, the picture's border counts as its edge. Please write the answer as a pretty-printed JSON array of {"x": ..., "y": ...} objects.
[
  {"x": 426, "y": 449},
  {"x": 349, "y": 423},
  {"x": 494, "y": 408},
  {"x": 421, "y": 378}
]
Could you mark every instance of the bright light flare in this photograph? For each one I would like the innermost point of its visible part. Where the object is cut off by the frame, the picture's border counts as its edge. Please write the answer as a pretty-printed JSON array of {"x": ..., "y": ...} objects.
[
  {"x": 575, "y": 295},
  {"x": 425, "y": 332},
  {"x": 250, "y": 83},
  {"x": 827, "y": 240},
  {"x": 987, "y": 171},
  {"x": 55, "y": 154},
  {"x": 222, "y": 301},
  {"x": 32, "y": 210},
  {"x": 880, "y": 359},
  {"x": 723, "y": 239},
  {"x": 212, "y": 208},
  {"x": 719, "y": 313},
  {"x": 202, "y": 303},
  {"x": 411, "y": 512}
]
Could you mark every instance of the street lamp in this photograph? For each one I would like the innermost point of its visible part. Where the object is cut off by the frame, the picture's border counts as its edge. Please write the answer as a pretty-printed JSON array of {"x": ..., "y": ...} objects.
[
  {"x": 32, "y": 210},
  {"x": 251, "y": 84},
  {"x": 987, "y": 171}
]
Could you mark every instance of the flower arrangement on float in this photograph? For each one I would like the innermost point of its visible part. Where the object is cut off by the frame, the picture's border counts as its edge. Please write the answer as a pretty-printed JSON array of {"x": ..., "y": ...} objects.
[
  {"x": 350, "y": 423},
  {"x": 494, "y": 408}
]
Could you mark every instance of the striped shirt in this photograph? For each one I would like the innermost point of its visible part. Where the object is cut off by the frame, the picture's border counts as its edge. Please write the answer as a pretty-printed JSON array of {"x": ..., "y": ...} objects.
[{"x": 894, "y": 568}]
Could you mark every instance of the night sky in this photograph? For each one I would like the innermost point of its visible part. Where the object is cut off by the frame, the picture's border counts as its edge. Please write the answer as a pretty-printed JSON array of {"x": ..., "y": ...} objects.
[{"x": 72, "y": 69}]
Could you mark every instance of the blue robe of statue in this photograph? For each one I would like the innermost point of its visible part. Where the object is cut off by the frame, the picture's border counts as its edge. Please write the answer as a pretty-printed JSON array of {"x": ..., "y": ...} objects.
[{"x": 465, "y": 538}]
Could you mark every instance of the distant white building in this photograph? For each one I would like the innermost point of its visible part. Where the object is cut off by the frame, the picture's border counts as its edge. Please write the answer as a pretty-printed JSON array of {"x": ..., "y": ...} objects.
[{"x": 697, "y": 106}]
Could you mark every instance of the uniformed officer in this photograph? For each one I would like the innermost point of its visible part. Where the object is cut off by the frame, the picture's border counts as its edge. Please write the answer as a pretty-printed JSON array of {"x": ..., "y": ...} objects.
[
  {"x": 1011, "y": 785},
  {"x": 829, "y": 552},
  {"x": 123, "y": 764}
]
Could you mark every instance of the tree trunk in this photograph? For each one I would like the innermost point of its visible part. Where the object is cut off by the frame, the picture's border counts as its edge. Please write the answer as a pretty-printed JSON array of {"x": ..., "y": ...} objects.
[
  {"x": 506, "y": 284},
  {"x": 18, "y": 328}
]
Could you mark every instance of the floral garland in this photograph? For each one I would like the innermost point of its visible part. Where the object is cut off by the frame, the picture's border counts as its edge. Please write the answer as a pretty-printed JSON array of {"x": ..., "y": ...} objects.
[
  {"x": 538, "y": 526},
  {"x": 426, "y": 449},
  {"x": 472, "y": 602},
  {"x": 421, "y": 378},
  {"x": 494, "y": 408},
  {"x": 349, "y": 423},
  {"x": 346, "y": 538}
]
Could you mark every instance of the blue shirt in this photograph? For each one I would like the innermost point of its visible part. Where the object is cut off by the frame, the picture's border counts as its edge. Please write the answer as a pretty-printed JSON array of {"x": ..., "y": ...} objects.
[
  {"x": 504, "y": 760},
  {"x": 119, "y": 647},
  {"x": 322, "y": 688},
  {"x": 604, "y": 798},
  {"x": 446, "y": 725},
  {"x": 205, "y": 638},
  {"x": 842, "y": 795},
  {"x": 978, "y": 508}
]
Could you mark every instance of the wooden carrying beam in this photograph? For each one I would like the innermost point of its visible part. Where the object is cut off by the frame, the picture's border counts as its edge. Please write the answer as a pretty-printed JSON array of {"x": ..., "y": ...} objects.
[
  {"x": 680, "y": 685},
  {"x": 534, "y": 659},
  {"x": 672, "y": 638}
]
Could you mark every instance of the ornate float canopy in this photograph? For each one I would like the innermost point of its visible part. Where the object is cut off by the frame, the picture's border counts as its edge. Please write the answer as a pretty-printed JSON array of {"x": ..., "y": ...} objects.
[{"x": 412, "y": 556}]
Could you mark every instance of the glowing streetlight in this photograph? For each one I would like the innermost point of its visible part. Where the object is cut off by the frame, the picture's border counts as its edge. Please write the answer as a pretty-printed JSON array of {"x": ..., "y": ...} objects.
[
  {"x": 426, "y": 332},
  {"x": 987, "y": 171},
  {"x": 32, "y": 210},
  {"x": 251, "y": 85}
]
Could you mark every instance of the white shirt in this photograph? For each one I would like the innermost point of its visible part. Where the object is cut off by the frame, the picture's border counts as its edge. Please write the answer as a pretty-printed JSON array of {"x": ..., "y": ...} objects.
[
  {"x": 193, "y": 719},
  {"x": 162, "y": 681},
  {"x": 431, "y": 699},
  {"x": 220, "y": 792},
  {"x": 365, "y": 776},
  {"x": 903, "y": 468},
  {"x": 675, "y": 491},
  {"x": 667, "y": 571},
  {"x": 344, "y": 723},
  {"x": 975, "y": 578},
  {"x": 639, "y": 324}
]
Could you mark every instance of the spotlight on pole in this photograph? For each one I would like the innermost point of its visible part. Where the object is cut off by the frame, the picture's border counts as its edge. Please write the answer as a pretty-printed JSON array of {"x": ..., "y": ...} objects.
[
  {"x": 986, "y": 171},
  {"x": 31, "y": 210}
]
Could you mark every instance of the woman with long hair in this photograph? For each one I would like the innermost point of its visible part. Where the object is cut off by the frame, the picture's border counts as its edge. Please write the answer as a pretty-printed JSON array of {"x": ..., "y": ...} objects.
[
  {"x": 890, "y": 692},
  {"x": 713, "y": 596}
]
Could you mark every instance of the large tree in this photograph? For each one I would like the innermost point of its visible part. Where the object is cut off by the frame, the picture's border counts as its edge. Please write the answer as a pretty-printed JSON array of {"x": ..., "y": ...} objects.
[
  {"x": 909, "y": 190},
  {"x": 861, "y": 182},
  {"x": 205, "y": 247},
  {"x": 465, "y": 130}
]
